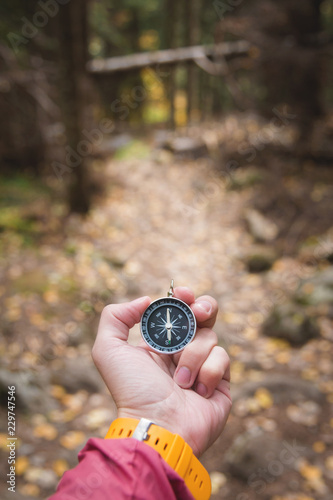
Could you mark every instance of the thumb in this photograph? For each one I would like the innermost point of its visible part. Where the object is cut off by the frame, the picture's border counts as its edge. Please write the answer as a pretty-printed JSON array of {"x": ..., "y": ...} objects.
[{"x": 117, "y": 319}]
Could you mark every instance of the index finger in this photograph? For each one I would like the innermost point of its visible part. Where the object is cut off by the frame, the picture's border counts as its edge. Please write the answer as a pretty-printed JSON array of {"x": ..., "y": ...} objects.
[{"x": 205, "y": 308}]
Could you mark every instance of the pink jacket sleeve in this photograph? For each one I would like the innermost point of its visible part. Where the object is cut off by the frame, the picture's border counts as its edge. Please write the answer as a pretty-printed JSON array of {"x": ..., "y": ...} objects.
[{"x": 120, "y": 469}]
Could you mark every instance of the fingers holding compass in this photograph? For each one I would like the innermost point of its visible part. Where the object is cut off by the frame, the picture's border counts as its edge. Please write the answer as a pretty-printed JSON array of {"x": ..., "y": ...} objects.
[
  {"x": 202, "y": 365},
  {"x": 205, "y": 308}
]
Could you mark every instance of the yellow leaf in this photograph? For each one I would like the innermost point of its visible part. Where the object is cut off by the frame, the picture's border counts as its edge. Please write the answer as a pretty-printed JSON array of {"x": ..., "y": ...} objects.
[
  {"x": 3, "y": 441},
  {"x": 45, "y": 431},
  {"x": 264, "y": 398},
  {"x": 310, "y": 472},
  {"x": 282, "y": 358},
  {"x": 319, "y": 446},
  {"x": 51, "y": 297},
  {"x": 30, "y": 358},
  {"x": 69, "y": 415},
  {"x": 250, "y": 333},
  {"x": 57, "y": 391},
  {"x": 310, "y": 374},
  {"x": 75, "y": 402},
  {"x": 276, "y": 344},
  {"x": 30, "y": 490},
  {"x": 72, "y": 439},
  {"x": 36, "y": 319},
  {"x": 13, "y": 314},
  {"x": 60, "y": 466},
  {"x": 237, "y": 372},
  {"x": 230, "y": 318},
  {"x": 22, "y": 463},
  {"x": 234, "y": 350},
  {"x": 38, "y": 419},
  {"x": 253, "y": 405},
  {"x": 14, "y": 348}
]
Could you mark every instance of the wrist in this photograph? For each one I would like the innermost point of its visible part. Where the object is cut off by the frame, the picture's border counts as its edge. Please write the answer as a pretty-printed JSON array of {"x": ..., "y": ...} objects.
[
  {"x": 171, "y": 447},
  {"x": 165, "y": 424}
]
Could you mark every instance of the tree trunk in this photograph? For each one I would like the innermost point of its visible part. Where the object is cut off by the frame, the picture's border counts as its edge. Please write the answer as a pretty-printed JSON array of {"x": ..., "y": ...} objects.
[
  {"x": 72, "y": 19},
  {"x": 193, "y": 38},
  {"x": 171, "y": 42}
]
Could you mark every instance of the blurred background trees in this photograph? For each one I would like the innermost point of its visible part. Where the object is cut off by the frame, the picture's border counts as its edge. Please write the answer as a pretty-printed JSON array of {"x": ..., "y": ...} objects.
[{"x": 48, "y": 98}]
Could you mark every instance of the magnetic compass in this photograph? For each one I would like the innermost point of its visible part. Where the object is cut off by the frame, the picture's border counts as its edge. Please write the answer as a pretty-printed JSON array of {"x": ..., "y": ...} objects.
[{"x": 168, "y": 324}]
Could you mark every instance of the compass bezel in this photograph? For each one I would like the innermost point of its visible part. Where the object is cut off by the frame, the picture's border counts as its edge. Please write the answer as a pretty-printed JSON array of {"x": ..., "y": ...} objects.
[{"x": 163, "y": 303}]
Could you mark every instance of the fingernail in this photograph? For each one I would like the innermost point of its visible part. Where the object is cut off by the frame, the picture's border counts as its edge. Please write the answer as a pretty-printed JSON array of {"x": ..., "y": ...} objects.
[
  {"x": 201, "y": 389},
  {"x": 183, "y": 376},
  {"x": 205, "y": 306}
]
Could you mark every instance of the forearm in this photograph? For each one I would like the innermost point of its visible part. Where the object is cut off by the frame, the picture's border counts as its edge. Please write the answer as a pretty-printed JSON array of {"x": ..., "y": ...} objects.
[{"x": 120, "y": 469}]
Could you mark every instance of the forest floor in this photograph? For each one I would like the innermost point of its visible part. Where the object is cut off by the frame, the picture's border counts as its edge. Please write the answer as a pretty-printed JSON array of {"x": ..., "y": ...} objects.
[{"x": 162, "y": 216}]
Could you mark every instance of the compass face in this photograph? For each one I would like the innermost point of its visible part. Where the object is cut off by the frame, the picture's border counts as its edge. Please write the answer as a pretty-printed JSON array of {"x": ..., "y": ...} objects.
[{"x": 168, "y": 325}]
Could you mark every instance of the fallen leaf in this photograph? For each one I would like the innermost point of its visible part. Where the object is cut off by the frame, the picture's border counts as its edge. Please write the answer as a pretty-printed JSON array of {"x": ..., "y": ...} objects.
[
  {"x": 218, "y": 479},
  {"x": 319, "y": 447},
  {"x": 305, "y": 413},
  {"x": 310, "y": 374},
  {"x": 3, "y": 441},
  {"x": 57, "y": 391},
  {"x": 75, "y": 402},
  {"x": 72, "y": 439},
  {"x": 60, "y": 466},
  {"x": 310, "y": 472},
  {"x": 264, "y": 398},
  {"x": 96, "y": 418},
  {"x": 22, "y": 463},
  {"x": 51, "y": 297},
  {"x": 46, "y": 431},
  {"x": 30, "y": 490}
]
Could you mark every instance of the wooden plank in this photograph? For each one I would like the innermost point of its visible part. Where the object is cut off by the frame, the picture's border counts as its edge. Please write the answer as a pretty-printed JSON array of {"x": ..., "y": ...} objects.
[{"x": 169, "y": 56}]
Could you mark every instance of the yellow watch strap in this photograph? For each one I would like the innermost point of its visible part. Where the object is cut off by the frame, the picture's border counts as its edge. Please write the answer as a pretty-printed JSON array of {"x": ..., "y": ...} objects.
[{"x": 173, "y": 449}]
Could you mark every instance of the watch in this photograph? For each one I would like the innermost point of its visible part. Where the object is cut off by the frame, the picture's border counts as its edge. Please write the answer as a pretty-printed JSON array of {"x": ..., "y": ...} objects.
[
  {"x": 172, "y": 448},
  {"x": 168, "y": 324}
]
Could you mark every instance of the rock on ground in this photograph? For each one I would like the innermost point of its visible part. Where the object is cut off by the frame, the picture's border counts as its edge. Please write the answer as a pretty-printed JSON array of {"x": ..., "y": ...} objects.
[{"x": 290, "y": 322}]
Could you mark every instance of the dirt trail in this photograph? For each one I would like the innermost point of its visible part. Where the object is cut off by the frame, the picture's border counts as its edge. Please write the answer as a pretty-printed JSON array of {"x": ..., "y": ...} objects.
[{"x": 160, "y": 218}]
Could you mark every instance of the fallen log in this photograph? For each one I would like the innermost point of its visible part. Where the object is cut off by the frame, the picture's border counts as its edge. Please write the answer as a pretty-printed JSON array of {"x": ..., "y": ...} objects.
[{"x": 169, "y": 56}]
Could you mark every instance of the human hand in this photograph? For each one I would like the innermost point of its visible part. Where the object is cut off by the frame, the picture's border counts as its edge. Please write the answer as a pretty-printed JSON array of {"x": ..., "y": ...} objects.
[{"x": 187, "y": 393}]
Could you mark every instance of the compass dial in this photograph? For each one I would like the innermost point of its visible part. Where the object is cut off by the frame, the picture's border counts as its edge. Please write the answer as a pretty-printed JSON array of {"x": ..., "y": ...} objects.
[{"x": 168, "y": 325}]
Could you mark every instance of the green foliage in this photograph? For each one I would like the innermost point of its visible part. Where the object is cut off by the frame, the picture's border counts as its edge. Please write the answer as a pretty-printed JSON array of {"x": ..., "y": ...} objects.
[
  {"x": 117, "y": 25},
  {"x": 19, "y": 190},
  {"x": 134, "y": 149}
]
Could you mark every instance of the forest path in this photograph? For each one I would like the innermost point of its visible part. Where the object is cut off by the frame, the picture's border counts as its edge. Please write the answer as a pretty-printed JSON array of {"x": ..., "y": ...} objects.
[
  {"x": 159, "y": 218},
  {"x": 177, "y": 219}
]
